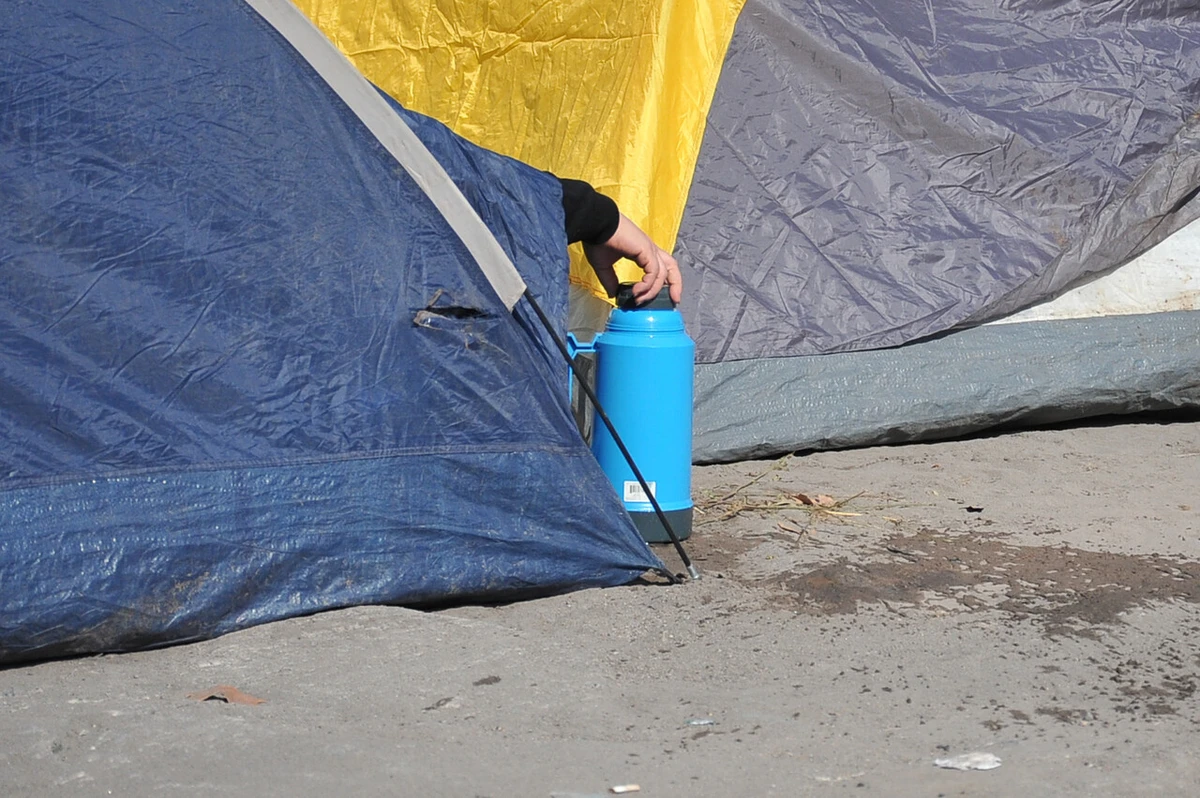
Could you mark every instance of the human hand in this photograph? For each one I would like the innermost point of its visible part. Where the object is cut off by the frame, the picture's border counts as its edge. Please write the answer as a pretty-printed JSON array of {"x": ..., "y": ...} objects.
[{"x": 629, "y": 241}]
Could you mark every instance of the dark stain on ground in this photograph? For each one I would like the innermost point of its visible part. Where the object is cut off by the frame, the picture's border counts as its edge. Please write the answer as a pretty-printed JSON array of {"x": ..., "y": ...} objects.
[
  {"x": 1136, "y": 692},
  {"x": 1062, "y": 590},
  {"x": 1069, "y": 591},
  {"x": 714, "y": 553},
  {"x": 1067, "y": 715}
]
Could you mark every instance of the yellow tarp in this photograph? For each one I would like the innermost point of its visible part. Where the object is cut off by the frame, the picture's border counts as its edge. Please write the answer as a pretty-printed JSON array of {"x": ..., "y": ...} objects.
[{"x": 613, "y": 92}]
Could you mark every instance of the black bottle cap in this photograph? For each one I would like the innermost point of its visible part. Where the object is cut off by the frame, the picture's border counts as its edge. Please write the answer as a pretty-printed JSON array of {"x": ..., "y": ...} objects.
[{"x": 625, "y": 300}]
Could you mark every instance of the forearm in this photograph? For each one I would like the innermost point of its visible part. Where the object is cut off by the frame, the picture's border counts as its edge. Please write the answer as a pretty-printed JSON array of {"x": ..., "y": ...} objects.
[{"x": 591, "y": 217}]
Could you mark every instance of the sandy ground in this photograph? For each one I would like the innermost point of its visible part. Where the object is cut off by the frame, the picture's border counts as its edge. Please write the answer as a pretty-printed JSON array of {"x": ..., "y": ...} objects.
[{"x": 1032, "y": 595}]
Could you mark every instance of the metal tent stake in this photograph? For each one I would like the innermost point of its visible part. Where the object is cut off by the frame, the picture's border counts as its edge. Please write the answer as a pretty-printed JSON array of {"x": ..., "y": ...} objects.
[{"x": 693, "y": 572}]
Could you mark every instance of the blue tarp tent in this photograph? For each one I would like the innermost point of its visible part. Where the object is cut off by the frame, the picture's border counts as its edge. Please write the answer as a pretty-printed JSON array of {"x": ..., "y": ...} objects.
[{"x": 248, "y": 370}]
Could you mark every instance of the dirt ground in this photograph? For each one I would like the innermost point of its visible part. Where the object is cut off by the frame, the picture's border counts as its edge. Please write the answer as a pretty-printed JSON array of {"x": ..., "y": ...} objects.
[{"x": 1033, "y": 595}]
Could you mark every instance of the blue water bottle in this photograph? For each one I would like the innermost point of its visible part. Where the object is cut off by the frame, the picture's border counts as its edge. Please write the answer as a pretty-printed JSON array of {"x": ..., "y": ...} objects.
[{"x": 644, "y": 365}]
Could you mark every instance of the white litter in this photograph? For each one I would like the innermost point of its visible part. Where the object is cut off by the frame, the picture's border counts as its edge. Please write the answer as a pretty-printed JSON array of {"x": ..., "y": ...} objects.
[{"x": 976, "y": 760}]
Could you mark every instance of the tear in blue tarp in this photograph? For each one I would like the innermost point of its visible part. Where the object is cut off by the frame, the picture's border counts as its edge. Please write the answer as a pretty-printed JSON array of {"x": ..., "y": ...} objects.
[{"x": 246, "y": 369}]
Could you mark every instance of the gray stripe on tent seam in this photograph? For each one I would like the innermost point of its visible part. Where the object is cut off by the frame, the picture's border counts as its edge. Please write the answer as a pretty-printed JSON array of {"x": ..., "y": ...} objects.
[{"x": 391, "y": 131}]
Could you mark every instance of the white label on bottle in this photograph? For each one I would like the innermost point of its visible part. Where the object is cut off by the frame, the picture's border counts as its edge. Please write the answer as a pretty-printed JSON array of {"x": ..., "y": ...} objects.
[{"x": 634, "y": 492}]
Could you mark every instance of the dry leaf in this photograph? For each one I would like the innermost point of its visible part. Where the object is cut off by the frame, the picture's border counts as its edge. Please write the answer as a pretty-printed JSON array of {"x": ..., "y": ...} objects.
[
  {"x": 800, "y": 497},
  {"x": 228, "y": 694}
]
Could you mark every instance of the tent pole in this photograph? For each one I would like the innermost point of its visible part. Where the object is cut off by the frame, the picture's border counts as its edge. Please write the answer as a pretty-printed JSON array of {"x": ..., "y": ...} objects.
[{"x": 693, "y": 572}]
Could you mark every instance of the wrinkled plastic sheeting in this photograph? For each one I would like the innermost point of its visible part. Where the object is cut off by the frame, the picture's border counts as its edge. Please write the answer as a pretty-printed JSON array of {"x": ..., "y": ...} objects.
[
  {"x": 875, "y": 173},
  {"x": 610, "y": 91},
  {"x": 1036, "y": 372},
  {"x": 218, "y": 406}
]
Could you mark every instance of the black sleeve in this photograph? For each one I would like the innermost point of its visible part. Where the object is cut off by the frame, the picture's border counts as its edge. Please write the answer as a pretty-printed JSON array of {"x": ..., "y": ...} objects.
[{"x": 591, "y": 217}]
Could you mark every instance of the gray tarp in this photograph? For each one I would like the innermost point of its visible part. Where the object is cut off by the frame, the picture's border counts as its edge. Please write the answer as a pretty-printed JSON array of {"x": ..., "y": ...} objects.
[
  {"x": 1029, "y": 373},
  {"x": 878, "y": 171}
]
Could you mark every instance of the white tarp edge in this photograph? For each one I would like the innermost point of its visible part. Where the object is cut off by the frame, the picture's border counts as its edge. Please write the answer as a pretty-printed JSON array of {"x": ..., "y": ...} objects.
[{"x": 1165, "y": 278}]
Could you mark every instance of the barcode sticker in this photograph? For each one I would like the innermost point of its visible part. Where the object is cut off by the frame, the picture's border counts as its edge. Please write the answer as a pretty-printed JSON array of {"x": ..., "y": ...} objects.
[{"x": 634, "y": 492}]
